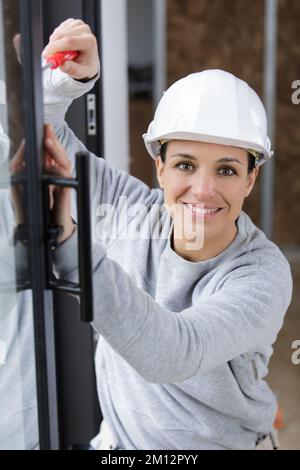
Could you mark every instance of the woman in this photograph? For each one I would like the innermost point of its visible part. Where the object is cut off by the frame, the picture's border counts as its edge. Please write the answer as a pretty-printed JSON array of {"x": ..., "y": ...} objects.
[{"x": 189, "y": 294}]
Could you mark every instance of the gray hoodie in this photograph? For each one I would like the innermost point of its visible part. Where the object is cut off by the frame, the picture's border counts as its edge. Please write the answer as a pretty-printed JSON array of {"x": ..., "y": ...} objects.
[{"x": 184, "y": 347}]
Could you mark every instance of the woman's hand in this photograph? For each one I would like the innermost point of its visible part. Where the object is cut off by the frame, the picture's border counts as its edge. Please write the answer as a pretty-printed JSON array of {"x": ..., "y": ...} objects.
[
  {"x": 56, "y": 162},
  {"x": 75, "y": 35}
]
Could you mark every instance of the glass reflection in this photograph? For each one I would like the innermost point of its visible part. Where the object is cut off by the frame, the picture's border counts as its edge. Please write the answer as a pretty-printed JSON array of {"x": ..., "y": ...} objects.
[{"x": 18, "y": 403}]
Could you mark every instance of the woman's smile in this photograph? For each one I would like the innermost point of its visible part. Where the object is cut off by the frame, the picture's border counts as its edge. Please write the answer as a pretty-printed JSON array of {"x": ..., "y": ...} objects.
[{"x": 202, "y": 211}]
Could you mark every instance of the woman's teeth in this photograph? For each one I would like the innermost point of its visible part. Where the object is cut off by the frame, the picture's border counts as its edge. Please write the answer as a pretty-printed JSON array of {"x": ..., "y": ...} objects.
[{"x": 200, "y": 210}]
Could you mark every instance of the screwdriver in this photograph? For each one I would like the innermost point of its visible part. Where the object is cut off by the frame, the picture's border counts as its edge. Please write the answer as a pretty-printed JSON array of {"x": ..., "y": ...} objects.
[{"x": 54, "y": 61}]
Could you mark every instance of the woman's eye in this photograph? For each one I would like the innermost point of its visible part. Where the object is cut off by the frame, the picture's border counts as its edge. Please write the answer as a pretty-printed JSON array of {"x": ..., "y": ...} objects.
[
  {"x": 225, "y": 171},
  {"x": 184, "y": 166}
]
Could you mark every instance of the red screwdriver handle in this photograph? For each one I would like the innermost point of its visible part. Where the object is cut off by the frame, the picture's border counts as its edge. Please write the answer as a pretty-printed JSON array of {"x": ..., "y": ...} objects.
[{"x": 57, "y": 59}]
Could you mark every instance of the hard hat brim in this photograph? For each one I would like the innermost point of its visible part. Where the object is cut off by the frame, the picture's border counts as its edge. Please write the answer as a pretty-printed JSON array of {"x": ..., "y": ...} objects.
[{"x": 153, "y": 144}]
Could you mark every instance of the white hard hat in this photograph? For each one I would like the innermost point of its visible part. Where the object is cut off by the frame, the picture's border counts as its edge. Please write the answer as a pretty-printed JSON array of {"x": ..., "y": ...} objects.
[{"x": 212, "y": 106}]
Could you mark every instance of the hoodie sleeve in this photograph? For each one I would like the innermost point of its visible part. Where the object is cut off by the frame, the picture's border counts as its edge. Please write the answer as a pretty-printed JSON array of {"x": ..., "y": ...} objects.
[
  {"x": 168, "y": 347},
  {"x": 107, "y": 183},
  {"x": 59, "y": 92}
]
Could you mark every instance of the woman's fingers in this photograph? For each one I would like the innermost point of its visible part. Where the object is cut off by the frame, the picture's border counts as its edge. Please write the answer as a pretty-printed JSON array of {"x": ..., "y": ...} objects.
[
  {"x": 77, "y": 29},
  {"x": 17, "y": 163},
  {"x": 50, "y": 165},
  {"x": 54, "y": 162},
  {"x": 75, "y": 35},
  {"x": 72, "y": 42},
  {"x": 17, "y": 46},
  {"x": 66, "y": 25},
  {"x": 56, "y": 154},
  {"x": 55, "y": 157}
]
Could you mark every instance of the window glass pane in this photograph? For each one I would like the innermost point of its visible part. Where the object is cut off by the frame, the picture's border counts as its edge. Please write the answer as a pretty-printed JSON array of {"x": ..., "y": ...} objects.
[{"x": 18, "y": 403}]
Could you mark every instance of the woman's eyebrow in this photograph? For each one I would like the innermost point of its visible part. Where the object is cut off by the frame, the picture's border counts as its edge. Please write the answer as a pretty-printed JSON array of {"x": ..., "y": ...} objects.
[
  {"x": 192, "y": 157},
  {"x": 227, "y": 160},
  {"x": 184, "y": 155}
]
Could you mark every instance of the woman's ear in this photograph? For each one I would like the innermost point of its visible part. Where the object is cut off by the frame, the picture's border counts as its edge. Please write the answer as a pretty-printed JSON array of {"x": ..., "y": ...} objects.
[
  {"x": 251, "y": 181},
  {"x": 160, "y": 171}
]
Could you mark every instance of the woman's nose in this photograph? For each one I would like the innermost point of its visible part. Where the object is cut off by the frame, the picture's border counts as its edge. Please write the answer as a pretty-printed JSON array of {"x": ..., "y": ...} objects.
[{"x": 204, "y": 186}]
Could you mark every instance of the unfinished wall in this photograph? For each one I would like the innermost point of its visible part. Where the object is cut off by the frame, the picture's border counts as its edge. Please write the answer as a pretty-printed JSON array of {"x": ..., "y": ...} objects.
[
  {"x": 287, "y": 189},
  {"x": 141, "y": 164},
  {"x": 229, "y": 35}
]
